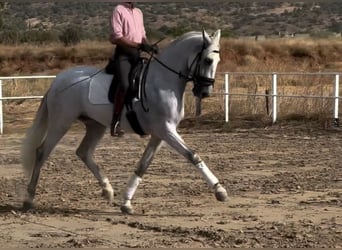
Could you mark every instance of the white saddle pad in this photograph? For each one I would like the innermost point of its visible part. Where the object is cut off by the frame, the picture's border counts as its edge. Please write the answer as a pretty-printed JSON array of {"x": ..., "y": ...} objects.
[{"x": 98, "y": 89}]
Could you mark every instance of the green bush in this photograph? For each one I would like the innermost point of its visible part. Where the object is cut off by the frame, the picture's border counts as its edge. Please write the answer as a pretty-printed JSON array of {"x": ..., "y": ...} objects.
[
  {"x": 10, "y": 36},
  {"x": 71, "y": 35}
]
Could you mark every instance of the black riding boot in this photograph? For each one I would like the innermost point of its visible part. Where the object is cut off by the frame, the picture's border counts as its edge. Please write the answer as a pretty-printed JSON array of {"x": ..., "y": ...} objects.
[{"x": 119, "y": 101}]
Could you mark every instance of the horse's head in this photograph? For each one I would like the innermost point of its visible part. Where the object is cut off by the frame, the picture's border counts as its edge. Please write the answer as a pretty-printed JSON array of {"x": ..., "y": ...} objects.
[{"x": 206, "y": 62}]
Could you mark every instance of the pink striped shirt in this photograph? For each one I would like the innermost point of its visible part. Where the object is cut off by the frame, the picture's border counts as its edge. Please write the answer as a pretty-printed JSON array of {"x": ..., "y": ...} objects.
[{"x": 128, "y": 23}]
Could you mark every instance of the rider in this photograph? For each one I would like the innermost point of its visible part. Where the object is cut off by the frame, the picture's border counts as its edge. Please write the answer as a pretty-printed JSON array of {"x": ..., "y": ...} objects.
[{"x": 129, "y": 36}]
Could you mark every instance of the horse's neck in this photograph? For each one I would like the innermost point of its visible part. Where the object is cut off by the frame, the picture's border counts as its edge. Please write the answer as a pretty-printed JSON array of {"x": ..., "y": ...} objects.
[
  {"x": 176, "y": 56},
  {"x": 175, "y": 73}
]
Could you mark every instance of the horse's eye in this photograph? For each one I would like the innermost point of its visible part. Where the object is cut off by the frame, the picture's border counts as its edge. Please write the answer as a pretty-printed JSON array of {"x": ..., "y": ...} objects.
[{"x": 208, "y": 61}]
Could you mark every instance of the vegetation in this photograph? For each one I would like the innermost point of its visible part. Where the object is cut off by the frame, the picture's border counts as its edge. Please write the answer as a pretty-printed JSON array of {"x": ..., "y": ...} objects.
[
  {"x": 41, "y": 22},
  {"x": 310, "y": 55},
  {"x": 71, "y": 36}
]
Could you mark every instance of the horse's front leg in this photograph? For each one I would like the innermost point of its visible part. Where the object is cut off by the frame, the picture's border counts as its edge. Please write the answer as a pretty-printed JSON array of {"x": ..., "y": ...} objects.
[
  {"x": 176, "y": 142},
  {"x": 134, "y": 181}
]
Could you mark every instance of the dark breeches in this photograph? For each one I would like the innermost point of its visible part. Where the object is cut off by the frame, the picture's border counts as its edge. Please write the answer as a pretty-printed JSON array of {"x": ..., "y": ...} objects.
[{"x": 124, "y": 59}]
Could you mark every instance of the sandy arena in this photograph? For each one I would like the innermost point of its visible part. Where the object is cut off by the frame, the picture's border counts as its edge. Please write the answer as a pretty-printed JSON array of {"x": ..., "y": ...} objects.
[{"x": 284, "y": 183}]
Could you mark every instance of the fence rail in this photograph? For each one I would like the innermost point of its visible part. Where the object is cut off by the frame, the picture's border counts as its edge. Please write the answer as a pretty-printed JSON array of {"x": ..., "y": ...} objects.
[
  {"x": 274, "y": 95},
  {"x": 2, "y": 98}
]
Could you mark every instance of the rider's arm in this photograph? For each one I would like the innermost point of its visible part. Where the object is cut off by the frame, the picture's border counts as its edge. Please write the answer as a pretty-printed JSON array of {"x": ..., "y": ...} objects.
[
  {"x": 123, "y": 42},
  {"x": 127, "y": 43}
]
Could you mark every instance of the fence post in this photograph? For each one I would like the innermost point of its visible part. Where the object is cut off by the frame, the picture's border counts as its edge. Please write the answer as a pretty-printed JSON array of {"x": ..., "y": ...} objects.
[
  {"x": 226, "y": 96},
  {"x": 274, "y": 97},
  {"x": 337, "y": 92},
  {"x": 1, "y": 111}
]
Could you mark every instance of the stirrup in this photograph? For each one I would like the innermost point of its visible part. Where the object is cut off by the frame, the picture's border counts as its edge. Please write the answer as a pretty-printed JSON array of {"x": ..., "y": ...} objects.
[{"x": 115, "y": 130}]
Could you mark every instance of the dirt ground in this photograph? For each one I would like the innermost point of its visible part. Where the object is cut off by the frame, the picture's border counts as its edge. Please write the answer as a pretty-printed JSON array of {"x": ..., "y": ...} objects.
[{"x": 284, "y": 183}]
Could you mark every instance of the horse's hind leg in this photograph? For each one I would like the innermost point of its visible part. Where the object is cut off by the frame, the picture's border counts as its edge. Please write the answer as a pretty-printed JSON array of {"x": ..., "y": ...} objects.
[
  {"x": 42, "y": 153},
  {"x": 133, "y": 183},
  {"x": 94, "y": 133}
]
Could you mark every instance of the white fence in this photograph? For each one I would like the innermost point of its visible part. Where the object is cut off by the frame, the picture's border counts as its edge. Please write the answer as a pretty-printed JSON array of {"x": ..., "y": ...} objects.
[
  {"x": 2, "y": 98},
  {"x": 227, "y": 79},
  {"x": 274, "y": 89}
]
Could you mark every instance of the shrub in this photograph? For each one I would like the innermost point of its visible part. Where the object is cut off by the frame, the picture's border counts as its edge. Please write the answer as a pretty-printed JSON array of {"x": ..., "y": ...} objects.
[{"x": 72, "y": 35}]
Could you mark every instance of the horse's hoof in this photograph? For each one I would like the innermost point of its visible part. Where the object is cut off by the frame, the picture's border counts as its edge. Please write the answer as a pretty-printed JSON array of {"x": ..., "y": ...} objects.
[
  {"x": 221, "y": 193},
  {"x": 27, "y": 205},
  {"x": 108, "y": 195},
  {"x": 126, "y": 209}
]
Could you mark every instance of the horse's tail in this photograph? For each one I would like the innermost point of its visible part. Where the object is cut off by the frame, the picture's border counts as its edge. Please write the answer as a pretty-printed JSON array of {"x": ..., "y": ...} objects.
[{"x": 34, "y": 138}]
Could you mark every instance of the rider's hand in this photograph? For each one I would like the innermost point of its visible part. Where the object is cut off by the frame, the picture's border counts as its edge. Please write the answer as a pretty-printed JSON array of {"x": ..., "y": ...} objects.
[{"x": 149, "y": 48}]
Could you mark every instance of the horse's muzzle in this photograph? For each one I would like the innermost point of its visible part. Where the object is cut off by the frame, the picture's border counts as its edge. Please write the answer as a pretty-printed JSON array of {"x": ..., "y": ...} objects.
[
  {"x": 202, "y": 91},
  {"x": 203, "y": 86},
  {"x": 205, "y": 95}
]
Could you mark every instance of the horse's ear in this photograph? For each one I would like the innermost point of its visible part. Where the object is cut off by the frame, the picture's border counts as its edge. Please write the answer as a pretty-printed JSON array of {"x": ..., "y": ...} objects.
[
  {"x": 206, "y": 38},
  {"x": 216, "y": 36}
]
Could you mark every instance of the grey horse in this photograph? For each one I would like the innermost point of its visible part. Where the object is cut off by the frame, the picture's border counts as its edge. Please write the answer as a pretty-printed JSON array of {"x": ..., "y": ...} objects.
[{"x": 193, "y": 57}]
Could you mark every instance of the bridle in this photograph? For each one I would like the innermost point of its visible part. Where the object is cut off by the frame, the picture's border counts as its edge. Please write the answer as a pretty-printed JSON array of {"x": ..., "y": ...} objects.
[
  {"x": 200, "y": 81},
  {"x": 197, "y": 78}
]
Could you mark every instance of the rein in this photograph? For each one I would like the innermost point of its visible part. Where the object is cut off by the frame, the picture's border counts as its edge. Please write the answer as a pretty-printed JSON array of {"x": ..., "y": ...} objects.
[
  {"x": 180, "y": 74},
  {"x": 82, "y": 80}
]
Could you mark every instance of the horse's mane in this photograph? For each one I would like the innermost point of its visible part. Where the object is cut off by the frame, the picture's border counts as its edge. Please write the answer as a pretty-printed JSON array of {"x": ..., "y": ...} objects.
[{"x": 187, "y": 36}]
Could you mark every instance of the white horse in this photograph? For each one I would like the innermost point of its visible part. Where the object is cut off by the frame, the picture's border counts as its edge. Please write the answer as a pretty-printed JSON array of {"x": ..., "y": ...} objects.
[{"x": 192, "y": 57}]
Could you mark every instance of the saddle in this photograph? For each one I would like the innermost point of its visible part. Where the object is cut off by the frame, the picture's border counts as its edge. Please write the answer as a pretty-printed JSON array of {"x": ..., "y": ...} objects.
[{"x": 135, "y": 82}]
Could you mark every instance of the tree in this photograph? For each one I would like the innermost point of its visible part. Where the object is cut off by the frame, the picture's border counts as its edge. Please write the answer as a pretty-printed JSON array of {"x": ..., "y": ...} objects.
[{"x": 71, "y": 35}]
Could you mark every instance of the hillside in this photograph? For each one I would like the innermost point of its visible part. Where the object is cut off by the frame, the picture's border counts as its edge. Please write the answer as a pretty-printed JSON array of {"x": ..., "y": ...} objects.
[{"x": 236, "y": 19}]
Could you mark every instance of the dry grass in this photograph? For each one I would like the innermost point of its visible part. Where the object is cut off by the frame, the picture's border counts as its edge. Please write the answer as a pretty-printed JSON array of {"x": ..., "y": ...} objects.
[
  {"x": 52, "y": 58},
  {"x": 282, "y": 55}
]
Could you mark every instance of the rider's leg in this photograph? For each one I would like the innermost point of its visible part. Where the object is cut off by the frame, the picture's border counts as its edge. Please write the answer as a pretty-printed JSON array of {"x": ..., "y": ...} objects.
[
  {"x": 122, "y": 69},
  {"x": 119, "y": 102}
]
